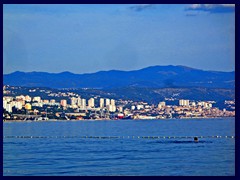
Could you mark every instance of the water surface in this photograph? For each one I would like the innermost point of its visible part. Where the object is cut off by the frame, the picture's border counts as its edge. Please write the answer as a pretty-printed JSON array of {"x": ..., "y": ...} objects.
[{"x": 54, "y": 154}]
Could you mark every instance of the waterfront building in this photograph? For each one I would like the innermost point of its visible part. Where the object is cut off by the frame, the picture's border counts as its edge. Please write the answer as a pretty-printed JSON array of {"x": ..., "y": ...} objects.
[
  {"x": 107, "y": 102},
  {"x": 101, "y": 103},
  {"x": 91, "y": 103},
  {"x": 83, "y": 103},
  {"x": 18, "y": 105},
  {"x": 112, "y": 102},
  {"x": 133, "y": 107},
  {"x": 9, "y": 108},
  {"x": 79, "y": 102},
  {"x": 63, "y": 102},
  {"x": 5, "y": 104},
  {"x": 111, "y": 108}
]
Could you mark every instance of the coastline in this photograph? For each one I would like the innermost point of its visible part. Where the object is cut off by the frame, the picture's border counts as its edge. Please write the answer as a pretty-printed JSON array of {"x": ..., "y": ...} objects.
[{"x": 72, "y": 120}]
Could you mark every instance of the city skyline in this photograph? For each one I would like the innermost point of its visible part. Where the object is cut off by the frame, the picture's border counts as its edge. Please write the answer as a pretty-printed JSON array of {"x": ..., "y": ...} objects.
[
  {"x": 91, "y": 38},
  {"x": 71, "y": 105}
]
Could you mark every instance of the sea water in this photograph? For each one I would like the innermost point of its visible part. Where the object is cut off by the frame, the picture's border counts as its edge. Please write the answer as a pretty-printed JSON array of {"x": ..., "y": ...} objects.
[{"x": 127, "y": 148}]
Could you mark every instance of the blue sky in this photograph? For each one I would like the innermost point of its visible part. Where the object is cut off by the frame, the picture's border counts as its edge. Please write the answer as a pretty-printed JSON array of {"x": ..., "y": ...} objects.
[{"x": 91, "y": 38}]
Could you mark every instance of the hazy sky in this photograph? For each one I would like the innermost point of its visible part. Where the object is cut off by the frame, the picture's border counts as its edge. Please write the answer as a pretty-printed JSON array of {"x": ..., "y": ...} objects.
[{"x": 90, "y": 38}]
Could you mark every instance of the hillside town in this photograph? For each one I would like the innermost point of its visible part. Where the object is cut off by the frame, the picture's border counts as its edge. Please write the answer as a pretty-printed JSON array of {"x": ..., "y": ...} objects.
[{"x": 72, "y": 106}]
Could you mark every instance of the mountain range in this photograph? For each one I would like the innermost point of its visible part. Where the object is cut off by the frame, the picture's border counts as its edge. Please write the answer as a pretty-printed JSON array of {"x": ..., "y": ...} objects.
[{"x": 150, "y": 77}]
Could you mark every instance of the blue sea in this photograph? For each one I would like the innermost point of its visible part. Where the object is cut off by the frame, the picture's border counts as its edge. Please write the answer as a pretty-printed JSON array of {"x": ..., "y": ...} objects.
[{"x": 120, "y": 148}]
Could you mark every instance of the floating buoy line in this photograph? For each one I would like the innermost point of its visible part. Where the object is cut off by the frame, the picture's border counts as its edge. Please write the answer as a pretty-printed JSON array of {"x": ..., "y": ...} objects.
[{"x": 121, "y": 137}]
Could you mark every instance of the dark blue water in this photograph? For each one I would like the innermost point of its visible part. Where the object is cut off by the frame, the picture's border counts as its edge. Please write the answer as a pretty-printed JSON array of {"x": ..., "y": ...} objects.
[{"x": 74, "y": 155}]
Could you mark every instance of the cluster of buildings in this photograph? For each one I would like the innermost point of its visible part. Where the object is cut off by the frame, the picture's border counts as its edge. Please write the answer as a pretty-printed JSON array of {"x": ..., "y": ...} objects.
[
  {"x": 24, "y": 107},
  {"x": 77, "y": 102}
]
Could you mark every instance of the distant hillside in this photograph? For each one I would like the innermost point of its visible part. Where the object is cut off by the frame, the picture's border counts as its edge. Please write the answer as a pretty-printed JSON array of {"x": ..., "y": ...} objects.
[
  {"x": 149, "y": 95},
  {"x": 154, "y": 95},
  {"x": 154, "y": 77}
]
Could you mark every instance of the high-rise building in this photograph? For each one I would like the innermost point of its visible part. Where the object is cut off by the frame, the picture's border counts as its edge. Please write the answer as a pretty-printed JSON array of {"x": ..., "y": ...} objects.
[
  {"x": 63, "y": 102},
  {"x": 101, "y": 103},
  {"x": 91, "y": 103},
  {"x": 112, "y": 102},
  {"x": 73, "y": 101},
  {"x": 9, "y": 108},
  {"x": 79, "y": 102},
  {"x": 83, "y": 103},
  {"x": 5, "y": 104},
  {"x": 107, "y": 102},
  {"x": 18, "y": 105},
  {"x": 111, "y": 108},
  {"x": 183, "y": 102}
]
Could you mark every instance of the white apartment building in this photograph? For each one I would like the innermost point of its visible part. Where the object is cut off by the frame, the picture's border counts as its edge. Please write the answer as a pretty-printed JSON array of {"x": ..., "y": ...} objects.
[
  {"x": 111, "y": 108},
  {"x": 83, "y": 104},
  {"x": 183, "y": 102},
  {"x": 91, "y": 103},
  {"x": 107, "y": 102},
  {"x": 63, "y": 102},
  {"x": 9, "y": 108},
  {"x": 112, "y": 102},
  {"x": 101, "y": 103}
]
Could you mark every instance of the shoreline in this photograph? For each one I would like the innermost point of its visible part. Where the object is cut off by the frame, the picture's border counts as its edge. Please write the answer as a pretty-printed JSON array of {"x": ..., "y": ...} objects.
[{"x": 72, "y": 120}]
